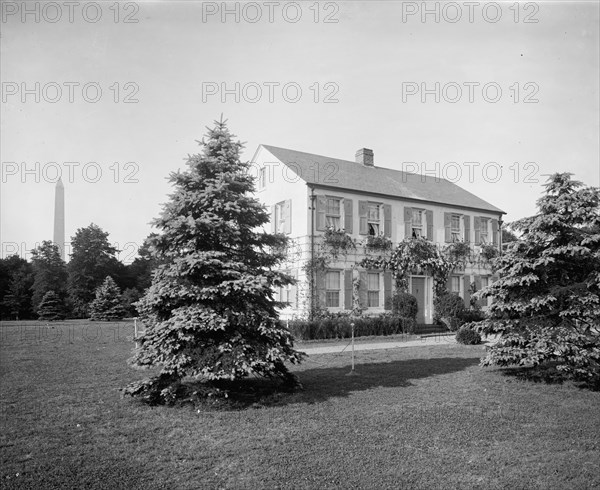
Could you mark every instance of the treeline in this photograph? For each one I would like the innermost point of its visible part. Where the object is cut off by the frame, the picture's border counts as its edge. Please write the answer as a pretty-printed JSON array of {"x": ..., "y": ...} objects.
[{"x": 49, "y": 288}]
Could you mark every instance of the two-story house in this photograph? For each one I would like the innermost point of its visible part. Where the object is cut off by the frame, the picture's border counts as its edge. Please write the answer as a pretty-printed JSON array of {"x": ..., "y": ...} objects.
[{"x": 307, "y": 194}]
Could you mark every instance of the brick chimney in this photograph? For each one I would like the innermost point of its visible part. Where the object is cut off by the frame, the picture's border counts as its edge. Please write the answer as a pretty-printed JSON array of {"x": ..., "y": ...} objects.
[{"x": 365, "y": 157}]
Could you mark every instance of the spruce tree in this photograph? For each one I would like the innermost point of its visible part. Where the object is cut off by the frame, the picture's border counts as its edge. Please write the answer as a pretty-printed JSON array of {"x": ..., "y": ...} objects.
[
  {"x": 546, "y": 304},
  {"x": 108, "y": 304},
  {"x": 51, "y": 307},
  {"x": 210, "y": 310}
]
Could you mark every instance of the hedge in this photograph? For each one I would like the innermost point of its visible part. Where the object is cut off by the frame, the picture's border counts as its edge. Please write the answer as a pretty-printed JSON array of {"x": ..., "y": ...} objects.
[{"x": 340, "y": 328}]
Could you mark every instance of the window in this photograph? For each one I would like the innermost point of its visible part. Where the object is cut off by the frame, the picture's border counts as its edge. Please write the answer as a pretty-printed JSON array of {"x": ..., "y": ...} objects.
[
  {"x": 282, "y": 217},
  {"x": 373, "y": 220},
  {"x": 483, "y": 230},
  {"x": 262, "y": 178},
  {"x": 372, "y": 289},
  {"x": 285, "y": 294},
  {"x": 455, "y": 284},
  {"x": 455, "y": 227},
  {"x": 417, "y": 223},
  {"x": 332, "y": 289},
  {"x": 333, "y": 217}
]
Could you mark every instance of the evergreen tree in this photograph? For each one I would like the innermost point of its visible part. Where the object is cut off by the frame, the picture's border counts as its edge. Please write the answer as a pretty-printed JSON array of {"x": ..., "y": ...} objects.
[
  {"x": 50, "y": 272},
  {"x": 547, "y": 301},
  {"x": 93, "y": 259},
  {"x": 210, "y": 309},
  {"x": 108, "y": 304},
  {"x": 51, "y": 307}
]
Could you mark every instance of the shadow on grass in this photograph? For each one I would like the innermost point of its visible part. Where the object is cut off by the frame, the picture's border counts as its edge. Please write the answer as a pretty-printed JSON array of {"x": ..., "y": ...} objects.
[
  {"x": 321, "y": 384},
  {"x": 547, "y": 374}
]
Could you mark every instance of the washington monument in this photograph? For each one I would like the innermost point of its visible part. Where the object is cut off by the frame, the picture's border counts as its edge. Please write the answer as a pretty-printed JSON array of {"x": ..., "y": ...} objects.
[{"x": 59, "y": 218}]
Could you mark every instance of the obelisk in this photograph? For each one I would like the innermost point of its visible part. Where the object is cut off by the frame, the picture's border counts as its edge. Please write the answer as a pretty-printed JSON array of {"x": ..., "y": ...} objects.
[{"x": 59, "y": 217}]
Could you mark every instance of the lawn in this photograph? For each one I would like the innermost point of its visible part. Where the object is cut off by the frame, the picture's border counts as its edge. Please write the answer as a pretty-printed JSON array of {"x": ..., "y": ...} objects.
[{"x": 423, "y": 417}]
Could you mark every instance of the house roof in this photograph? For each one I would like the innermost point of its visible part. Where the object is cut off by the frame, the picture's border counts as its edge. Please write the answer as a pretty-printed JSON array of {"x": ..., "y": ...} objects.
[{"x": 343, "y": 174}]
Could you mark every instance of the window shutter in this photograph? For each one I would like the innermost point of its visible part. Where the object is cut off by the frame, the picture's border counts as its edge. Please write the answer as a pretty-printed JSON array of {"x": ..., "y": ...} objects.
[
  {"x": 476, "y": 225},
  {"x": 387, "y": 220},
  {"x": 348, "y": 289},
  {"x": 362, "y": 289},
  {"x": 321, "y": 209},
  {"x": 273, "y": 217},
  {"x": 387, "y": 290},
  {"x": 287, "y": 216},
  {"x": 320, "y": 286},
  {"x": 448, "y": 227},
  {"x": 407, "y": 222},
  {"x": 467, "y": 223},
  {"x": 348, "y": 217},
  {"x": 294, "y": 290},
  {"x": 466, "y": 286},
  {"x": 363, "y": 210},
  {"x": 495, "y": 232},
  {"x": 429, "y": 219}
]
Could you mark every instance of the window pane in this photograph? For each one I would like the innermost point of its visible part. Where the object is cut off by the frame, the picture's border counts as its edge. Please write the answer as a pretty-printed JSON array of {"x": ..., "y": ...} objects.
[
  {"x": 333, "y": 206},
  {"x": 332, "y": 280},
  {"x": 333, "y": 222},
  {"x": 455, "y": 222},
  {"x": 332, "y": 299},
  {"x": 373, "y": 299},
  {"x": 455, "y": 285},
  {"x": 373, "y": 212},
  {"x": 417, "y": 217},
  {"x": 373, "y": 280}
]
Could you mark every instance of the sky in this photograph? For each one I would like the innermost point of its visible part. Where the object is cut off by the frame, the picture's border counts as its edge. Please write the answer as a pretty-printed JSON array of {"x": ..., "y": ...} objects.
[{"x": 114, "y": 96}]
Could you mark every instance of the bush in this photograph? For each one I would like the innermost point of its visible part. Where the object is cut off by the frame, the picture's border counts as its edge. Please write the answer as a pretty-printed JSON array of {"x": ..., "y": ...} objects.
[
  {"x": 472, "y": 315},
  {"x": 404, "y": 305},
  {"x": 466, "y": 335},
  {"x": 450, "y": 309},
  {"x": 339, "y": 327}
]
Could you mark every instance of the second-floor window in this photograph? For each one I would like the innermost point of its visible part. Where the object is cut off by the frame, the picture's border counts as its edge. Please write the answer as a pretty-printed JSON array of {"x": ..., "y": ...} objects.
[
  {"x": 417, "y": 223},
  {"x": 282, "y": 219},
  {"x": 372, "y": 289},
  {"x": 373, "y": 219},
  {"x": 455, "y": 227},
  {"x": 262, "y": 178},
  {"x": 483, "y": 230},
  {"x": 332, "y": 289},
  {"x": 333, "y": 213}
]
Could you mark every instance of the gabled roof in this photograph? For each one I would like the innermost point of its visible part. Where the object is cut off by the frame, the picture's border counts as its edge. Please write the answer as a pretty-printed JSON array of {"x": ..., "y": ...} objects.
[{"x": 343, "y": 174}]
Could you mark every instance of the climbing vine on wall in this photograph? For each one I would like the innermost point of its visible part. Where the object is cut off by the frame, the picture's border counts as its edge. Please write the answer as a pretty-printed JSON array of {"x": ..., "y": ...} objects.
[{"x": 414, "y": 255}]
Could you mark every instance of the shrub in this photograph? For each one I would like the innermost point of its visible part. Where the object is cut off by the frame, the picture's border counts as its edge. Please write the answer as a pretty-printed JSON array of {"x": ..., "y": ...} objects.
[
  {"x": 339, "y": 327},
  {"x": 51, "y": 307},
  {"x": 450, "y": 309},
  {"x": 472, "y": 315},
  {"x": 404, "y": 305},
  {"x": 466, "y": 335}
]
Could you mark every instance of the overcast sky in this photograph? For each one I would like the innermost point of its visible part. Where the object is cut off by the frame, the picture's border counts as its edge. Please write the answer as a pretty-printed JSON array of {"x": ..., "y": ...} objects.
[{"x": 517, "y": 89}]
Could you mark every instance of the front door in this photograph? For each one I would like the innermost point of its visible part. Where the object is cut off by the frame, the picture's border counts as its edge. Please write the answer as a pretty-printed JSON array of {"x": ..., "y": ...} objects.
[{"x": 418, "y": 291}]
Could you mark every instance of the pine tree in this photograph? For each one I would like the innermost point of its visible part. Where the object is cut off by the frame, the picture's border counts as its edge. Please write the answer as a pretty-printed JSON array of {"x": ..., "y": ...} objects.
[
  {"x": 547, "y": 301},
  {"x": 210, "y": 309},
  {"x": 51, "y": 307},
  {"x": 108, "y": 304}
]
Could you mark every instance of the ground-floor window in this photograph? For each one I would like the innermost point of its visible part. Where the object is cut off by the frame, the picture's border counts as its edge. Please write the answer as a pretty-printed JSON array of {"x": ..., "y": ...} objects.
[
  {"x": 373, "y": 289},
  {"x": 455, "y": 284},
  {"x": 332, "y": 289}
]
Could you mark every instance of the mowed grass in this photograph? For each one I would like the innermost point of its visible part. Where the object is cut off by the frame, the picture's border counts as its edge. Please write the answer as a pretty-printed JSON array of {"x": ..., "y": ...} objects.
[{"x": 424, "y": 417}]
